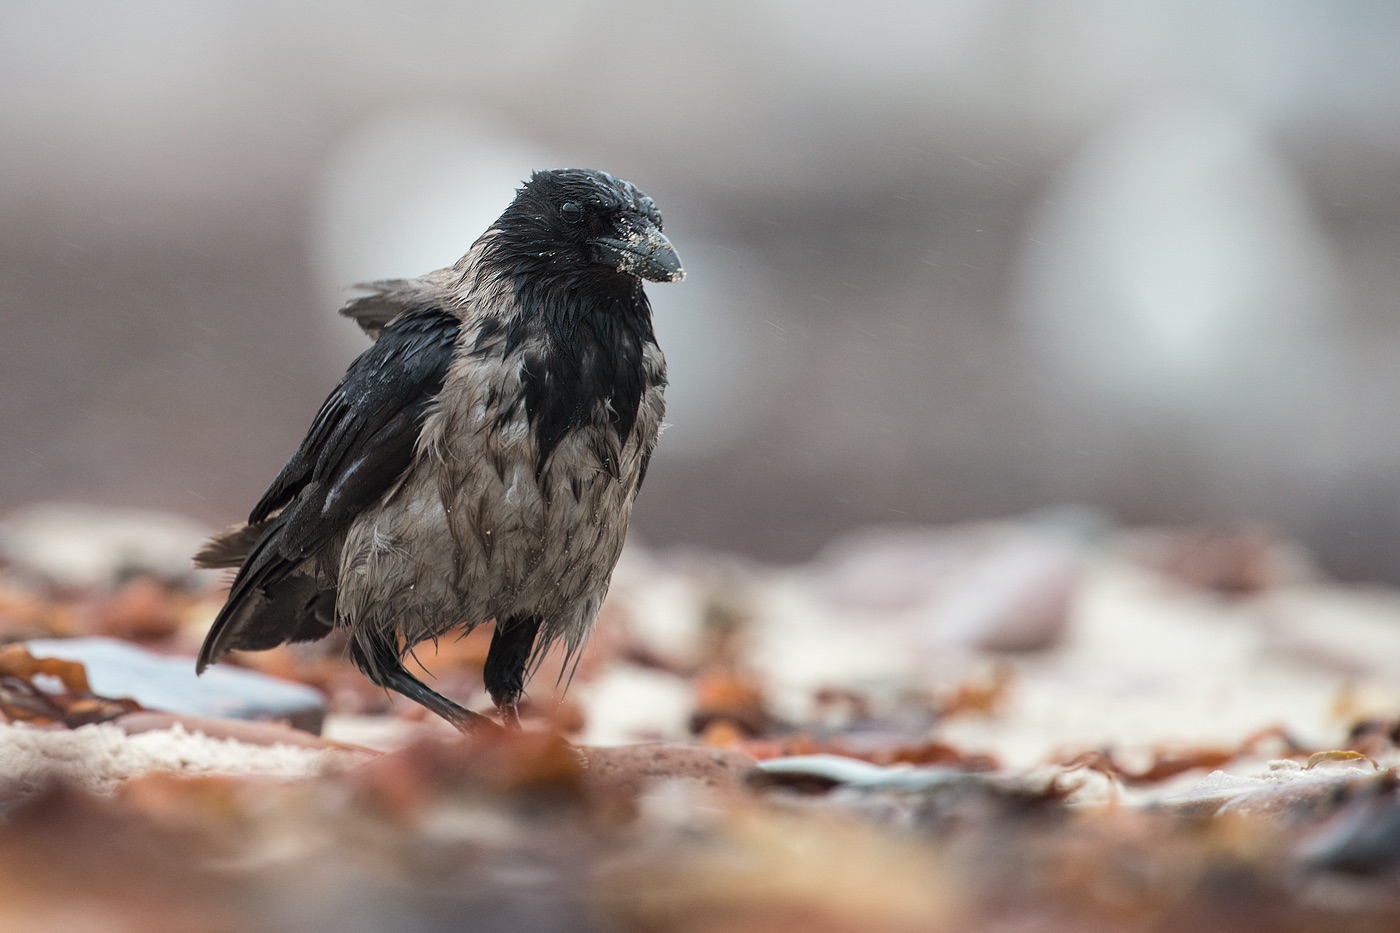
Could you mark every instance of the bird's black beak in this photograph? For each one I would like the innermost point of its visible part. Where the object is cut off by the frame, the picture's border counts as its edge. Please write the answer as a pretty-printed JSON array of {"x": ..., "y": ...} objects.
[{"x": 640, "y": 249}]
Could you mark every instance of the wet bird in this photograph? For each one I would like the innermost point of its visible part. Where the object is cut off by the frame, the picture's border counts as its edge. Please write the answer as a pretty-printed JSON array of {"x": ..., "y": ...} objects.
[{"x": 479, "y": 461}]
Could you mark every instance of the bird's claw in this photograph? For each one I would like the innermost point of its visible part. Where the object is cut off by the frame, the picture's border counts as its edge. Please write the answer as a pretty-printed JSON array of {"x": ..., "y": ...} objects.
[{"x": 510, "y": 715}]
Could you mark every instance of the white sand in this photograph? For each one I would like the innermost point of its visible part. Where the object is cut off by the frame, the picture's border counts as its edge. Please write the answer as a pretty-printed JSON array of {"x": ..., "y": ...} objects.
[{"x": 99, "y": 757}]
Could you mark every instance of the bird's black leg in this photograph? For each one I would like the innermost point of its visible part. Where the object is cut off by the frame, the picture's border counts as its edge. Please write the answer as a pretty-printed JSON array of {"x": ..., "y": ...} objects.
[
  {"x": 378, "y": 658},
  {"x": 510, "y": 651}
]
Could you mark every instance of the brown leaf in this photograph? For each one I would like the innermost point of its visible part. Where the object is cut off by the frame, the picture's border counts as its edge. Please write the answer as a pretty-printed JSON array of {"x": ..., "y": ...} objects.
[
  {"x": 1318, "y": 758},
  {"x": 16, "y": 661},
  {"x": 1168, "y": 762},
  {"x": 931, "y": 753},
  {"x": 979, "y": 697},
  {"x": 732, "y": 694},
  {"x": 1164, "y": 764},
  {"x": 21, "y": 700}
]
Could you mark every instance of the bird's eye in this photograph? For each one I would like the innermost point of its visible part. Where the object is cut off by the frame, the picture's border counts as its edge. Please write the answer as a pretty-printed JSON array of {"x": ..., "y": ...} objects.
[{"x": 571, "y": 211}]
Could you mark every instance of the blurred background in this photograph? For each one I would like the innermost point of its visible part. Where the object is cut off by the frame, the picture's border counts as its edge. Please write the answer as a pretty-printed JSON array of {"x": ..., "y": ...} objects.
[{"x": 947, "y": 259}]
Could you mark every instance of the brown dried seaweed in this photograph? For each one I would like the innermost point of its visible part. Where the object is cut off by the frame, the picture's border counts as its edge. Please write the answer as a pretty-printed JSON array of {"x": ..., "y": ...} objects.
[{"x": 23, "y": 700}]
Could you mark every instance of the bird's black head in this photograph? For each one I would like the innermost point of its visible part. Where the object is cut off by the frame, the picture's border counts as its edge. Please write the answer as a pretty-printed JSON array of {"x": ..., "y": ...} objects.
[{"x": 581, "y": 220}]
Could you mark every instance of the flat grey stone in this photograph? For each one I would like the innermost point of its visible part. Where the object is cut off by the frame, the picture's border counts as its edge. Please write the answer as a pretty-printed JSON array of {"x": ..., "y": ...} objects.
[{"x": 168, "y": 683}]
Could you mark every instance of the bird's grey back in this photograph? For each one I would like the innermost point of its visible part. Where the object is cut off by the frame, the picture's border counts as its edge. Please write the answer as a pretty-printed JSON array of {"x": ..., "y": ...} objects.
[{"x": 386, "y": 299}]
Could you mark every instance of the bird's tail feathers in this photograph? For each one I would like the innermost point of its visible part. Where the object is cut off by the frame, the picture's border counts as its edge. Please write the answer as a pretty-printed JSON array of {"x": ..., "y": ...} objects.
[
  {"x": 261, "y": 567},
  {"x": 230, "y": 548}
]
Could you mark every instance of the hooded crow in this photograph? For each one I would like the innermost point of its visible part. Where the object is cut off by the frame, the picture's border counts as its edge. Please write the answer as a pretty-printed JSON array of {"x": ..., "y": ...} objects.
[{"x": 479, "y": 461}]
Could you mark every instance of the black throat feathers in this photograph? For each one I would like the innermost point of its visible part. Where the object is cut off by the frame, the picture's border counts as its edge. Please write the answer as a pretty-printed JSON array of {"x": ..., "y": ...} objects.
[{"x": 581, "y": 335}]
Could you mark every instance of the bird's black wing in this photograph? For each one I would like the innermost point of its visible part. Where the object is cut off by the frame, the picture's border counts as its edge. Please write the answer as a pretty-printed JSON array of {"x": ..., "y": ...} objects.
[{"x": 359, "y": 445}]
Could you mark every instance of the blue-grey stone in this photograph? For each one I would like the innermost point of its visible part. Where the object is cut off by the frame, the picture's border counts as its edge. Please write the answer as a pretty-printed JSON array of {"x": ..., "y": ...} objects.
[{"x": 168, "y": 683}]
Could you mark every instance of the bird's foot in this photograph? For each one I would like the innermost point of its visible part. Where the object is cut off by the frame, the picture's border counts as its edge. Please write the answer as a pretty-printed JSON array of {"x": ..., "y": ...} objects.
[
  {"x": 509, "y": 711},
  {"x": 470, "y": 723},
  {"x": 380, "y": 662}
]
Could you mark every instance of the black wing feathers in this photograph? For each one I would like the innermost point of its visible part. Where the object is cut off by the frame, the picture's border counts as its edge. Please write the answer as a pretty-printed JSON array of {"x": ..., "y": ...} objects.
[
  {"x": 401, "y": 372},
  {"x": 359, "y": 445}
]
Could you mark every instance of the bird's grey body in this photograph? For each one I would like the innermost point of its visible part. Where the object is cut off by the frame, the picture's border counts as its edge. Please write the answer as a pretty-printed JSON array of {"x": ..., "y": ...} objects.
[
  {"x": 471, "y": 534},
  {"x": 480, "y": 461}
]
